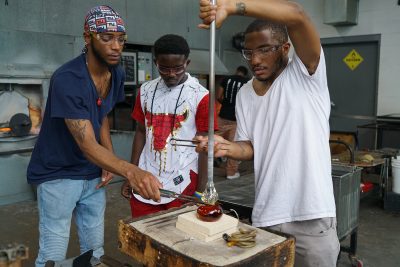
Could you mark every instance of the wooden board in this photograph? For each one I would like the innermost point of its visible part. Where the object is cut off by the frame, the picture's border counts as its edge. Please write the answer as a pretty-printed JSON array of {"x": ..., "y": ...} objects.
[{"x": 155, "y": 241}]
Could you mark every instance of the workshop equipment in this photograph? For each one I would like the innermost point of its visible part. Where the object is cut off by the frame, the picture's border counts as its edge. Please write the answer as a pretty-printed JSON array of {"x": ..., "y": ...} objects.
[
  {"x": 391, "y": 199},
  {"x": 16, "y": 142},
  {"x": 346, "y": 187},
  {"x": 206, "y": 231},
  {"x": 12, "y": 255},
  {"x": 346, "y": 178},
  {"x": 20, "y": 124},
  {"x": 153, "y": 240},
  {"x": 171, "y": 194},
  {"x": 242, "y": 238},
  {"x": 210, "y": 194},
  {"x": 395, "y": 175},
  {"x": 15, "y": 154}
]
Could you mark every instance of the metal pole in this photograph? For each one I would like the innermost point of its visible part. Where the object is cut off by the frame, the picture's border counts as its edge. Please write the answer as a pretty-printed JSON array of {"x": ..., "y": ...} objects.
[{"x": 210, "y": 194}]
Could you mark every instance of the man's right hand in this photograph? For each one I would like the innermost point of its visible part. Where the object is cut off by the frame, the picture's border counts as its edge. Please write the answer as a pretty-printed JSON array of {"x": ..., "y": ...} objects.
[
  {"x": 209, "y": 12},
  {"x": 221, "y": 145},
  {"x": 144, "y": 183}
]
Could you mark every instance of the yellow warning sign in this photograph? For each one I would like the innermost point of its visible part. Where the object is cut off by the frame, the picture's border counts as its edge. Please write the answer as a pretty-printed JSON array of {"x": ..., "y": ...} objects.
[{"x": 353, "y": 59}]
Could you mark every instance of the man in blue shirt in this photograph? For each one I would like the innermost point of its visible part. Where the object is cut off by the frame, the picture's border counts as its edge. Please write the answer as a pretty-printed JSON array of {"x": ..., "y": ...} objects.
[{"x": 73, "y": 157}]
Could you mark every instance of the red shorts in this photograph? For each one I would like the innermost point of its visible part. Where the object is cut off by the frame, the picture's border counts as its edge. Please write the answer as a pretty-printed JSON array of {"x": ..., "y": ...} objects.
[{"x": 139, "y": 208}]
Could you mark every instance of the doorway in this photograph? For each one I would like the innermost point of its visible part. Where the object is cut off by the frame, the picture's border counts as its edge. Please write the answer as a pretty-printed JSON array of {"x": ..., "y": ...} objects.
[{"x": 352, "y": 68}]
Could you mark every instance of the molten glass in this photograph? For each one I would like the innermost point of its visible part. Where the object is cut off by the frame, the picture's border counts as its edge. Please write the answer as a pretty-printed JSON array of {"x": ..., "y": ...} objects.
[
  {"x": 209, "y": 213},
  {"x": 210, "y": 195}
]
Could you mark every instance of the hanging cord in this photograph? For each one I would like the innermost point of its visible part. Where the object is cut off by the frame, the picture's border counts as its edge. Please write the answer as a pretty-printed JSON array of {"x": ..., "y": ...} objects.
[{"x": 176, "y": 106}]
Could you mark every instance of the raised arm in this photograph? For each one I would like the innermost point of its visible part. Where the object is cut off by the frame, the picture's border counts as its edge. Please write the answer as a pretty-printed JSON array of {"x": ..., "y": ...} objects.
[
  {"x": 143, "y": 182},
  {"x": 301, "y": 31}
]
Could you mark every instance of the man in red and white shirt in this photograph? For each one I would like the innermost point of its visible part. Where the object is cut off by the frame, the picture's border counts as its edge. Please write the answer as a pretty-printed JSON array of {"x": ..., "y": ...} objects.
[{"x": 173, "y": 106}]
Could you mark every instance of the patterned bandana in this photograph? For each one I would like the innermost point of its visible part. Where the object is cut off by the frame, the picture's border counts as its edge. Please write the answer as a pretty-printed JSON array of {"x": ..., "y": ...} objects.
[{"x": 103, "y": 19}]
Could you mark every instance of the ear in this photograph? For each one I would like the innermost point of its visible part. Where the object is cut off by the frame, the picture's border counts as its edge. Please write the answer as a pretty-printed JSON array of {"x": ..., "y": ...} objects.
[
  {"x": 86, "y": 37},
  {"x": 187, "y": 62},
  {"x": 286, "y": 47}
]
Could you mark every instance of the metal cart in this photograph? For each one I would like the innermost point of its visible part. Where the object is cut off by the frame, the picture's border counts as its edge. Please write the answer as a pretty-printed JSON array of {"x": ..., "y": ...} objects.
[
  {"x": 346, "y": 186},
  {"x": 346, "y": 180}
]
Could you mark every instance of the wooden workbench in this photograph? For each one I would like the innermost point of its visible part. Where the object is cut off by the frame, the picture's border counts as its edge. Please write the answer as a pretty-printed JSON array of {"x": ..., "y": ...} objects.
[{"x": 155, "y": 241}]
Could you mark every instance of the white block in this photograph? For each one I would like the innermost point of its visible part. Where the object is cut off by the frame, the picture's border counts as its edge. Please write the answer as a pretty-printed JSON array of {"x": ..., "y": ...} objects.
[{"x": 206, "y": 231}]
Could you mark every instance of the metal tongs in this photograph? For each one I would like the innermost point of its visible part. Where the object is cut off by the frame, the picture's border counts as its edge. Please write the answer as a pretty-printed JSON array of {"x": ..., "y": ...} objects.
[
  {"x": 181, "y": 142},
  {"x": 172, "y": 194}
]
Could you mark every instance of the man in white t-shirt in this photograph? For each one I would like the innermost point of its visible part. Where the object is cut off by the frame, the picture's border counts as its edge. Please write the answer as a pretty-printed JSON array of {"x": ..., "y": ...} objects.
[{"x": 283, "y": 125}]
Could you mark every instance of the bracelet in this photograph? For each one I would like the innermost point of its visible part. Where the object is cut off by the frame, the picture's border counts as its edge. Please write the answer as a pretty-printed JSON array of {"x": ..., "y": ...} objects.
[{"x": 240, "y": 8}]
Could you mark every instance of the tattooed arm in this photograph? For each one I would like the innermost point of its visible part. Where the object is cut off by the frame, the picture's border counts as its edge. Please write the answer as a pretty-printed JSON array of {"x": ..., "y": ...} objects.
[
  {"x": 143, "y": 182},
  {"x": 105, "y": 140},
  {"x": 138, "y": 143}
]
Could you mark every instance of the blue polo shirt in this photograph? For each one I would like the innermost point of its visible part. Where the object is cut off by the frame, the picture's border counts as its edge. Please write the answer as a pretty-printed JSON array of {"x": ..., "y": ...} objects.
[{"x": 72, "y": 95}]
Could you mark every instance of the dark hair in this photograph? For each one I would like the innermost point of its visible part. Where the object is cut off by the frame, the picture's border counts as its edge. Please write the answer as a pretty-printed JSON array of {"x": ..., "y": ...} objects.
[
  {"x": 243, "y": 70},
  {"x": 279, "y": 31},
  {"x": 171, "y": 44}
]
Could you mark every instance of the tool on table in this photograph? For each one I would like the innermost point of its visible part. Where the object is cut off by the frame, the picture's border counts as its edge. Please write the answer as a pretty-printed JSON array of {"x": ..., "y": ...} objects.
[
  {"x": 171, "y": 194},
  {"x": 210, "y": 194},
  {"x": 243, "y": 238}
]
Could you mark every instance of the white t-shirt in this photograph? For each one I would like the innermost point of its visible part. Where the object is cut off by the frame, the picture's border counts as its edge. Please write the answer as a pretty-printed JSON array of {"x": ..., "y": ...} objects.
[
  {"x": 155, "y": 107},
  {"x": 289, "y": 130}
]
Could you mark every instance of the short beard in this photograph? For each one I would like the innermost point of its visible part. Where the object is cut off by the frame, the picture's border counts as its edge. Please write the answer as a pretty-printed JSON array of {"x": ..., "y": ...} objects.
[
  {"x": 100, "y": 58},
  {"x": 281, "y": 64}
]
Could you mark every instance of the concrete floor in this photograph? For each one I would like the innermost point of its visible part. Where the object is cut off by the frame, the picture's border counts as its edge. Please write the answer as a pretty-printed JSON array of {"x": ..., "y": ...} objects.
[{"x": 378, "y": 234}]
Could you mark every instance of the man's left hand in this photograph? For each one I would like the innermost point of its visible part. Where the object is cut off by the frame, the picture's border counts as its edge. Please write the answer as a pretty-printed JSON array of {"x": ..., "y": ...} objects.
[{"x": 106, "y": 178}]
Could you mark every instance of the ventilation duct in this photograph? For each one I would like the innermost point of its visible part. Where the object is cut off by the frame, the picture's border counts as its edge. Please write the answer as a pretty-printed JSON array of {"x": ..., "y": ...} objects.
[{"x": 341, "y": 12}]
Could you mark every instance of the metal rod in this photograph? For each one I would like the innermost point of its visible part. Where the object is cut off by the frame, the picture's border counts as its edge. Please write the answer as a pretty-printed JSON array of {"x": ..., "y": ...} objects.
[
  {"x": 211, "y": 104},
  {"x": 210, "y": 195},
  {"x": 184, "y": 140}
]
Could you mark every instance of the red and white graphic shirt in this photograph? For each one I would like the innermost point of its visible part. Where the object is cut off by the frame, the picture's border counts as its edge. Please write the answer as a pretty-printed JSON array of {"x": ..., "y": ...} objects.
[{"x": 171, "y": 112}]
